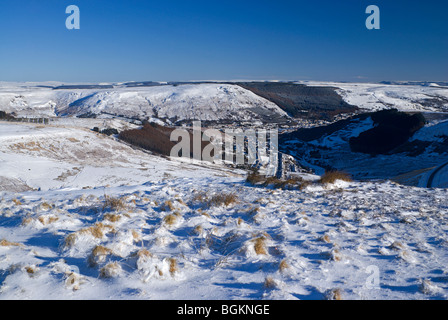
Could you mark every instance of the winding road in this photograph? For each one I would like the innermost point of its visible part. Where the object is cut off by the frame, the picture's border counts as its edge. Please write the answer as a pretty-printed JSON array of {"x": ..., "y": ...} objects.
[{"x": 434, "y": 174}]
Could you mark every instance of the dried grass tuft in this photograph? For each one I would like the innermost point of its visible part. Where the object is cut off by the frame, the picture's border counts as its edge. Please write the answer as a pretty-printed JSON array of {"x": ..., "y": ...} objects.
[
  {"x": 283, "y": 266},
  {"x": 170, "y": 219},
  {"x": 260, "y": 246},
  {"x": 334, "y": 294},
  {"x": 111, "y": 270},
  {"x": 173, "y": 266},
  {"x": 270, "y": 283},
  {"x": 114, "y": 204},
  {"x": 332, "y": 176},
  {"x": 6, "y": 243}
]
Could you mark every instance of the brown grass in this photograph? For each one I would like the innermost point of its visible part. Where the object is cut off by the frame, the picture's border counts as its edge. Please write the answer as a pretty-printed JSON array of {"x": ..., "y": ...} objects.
[
  {"x": 200, "y": 197},
  {"x": 255, "y": 178},
  {"x": 198, "y": 230},
  {"x": 225, "y": 199},
  {"x": 217, "y": 200},
  {"x": 46, "y": 206},
  {"x": 260, "y": 246},
  {"x": 334, "y": 294},
  {"x": 113, "y": 204},
  {"x": 6, "y": 243},
  {"x": 332, "y": 176},
  {"x": 110, "y": 270},
  {"x": 136, "y": 236},
  {"x": 112, "y": 217},
  {"x": 283, "y": 265},
  {"x": 100, "y": 250},
  {"x": 31, "y": 270},
  {"x": 170, "y": 219},
  {"x": 99, "y": 254},
  {"x": 144, "y": 253},
  {"x": 47, "y": 219},
  {"x": 97, "y": 231},
  {"x": 325, "y": 238},
  {"x": 168, "y": 206},
  {"x": 173, "y": 266},
  {"x": 270, "y": 283}
]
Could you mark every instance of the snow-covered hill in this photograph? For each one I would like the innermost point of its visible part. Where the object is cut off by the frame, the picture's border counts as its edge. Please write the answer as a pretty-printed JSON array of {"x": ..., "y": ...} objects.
[
  {"x": 373, "y": 97},
  {"x": 328, "y": 148},
  {"x": 204, "y": 101},
  {"x": 214, "y": 102},
  {"x": 57, "y": 157}
]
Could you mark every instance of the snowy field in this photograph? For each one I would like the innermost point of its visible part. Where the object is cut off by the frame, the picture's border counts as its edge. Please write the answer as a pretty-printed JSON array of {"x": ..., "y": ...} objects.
[{"x": 83, "y": 216}]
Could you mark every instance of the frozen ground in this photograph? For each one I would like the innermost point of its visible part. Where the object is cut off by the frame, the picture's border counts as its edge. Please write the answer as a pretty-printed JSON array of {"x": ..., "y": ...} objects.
[{"x": 83, "y": 216}]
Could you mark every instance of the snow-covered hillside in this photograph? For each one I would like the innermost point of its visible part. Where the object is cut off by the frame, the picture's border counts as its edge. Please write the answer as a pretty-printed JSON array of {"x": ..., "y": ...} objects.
[
  {"x": 165, "y": 240},
  {"x": 212, "y": 102},
  {"x": 204, "y": 101},
  {"x": 86, "y": 217},
  {"x": 55, "y": 157},
  {"x": 373, "y": 97}
]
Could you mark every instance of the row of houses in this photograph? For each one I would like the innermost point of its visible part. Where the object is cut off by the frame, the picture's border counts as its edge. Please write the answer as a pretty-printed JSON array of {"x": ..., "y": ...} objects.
[{"x": 27, "y": 120}]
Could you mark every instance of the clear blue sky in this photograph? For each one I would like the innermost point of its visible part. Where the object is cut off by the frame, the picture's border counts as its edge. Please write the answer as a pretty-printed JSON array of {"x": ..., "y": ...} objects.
[{"x": 224, "y": 40}]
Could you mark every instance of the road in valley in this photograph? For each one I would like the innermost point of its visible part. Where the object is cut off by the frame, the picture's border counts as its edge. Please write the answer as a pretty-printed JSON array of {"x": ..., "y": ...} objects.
[{"x": 434, "y": 174}]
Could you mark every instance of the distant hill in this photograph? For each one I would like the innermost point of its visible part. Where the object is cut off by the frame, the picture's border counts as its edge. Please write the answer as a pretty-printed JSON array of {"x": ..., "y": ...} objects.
[{"x": 301, "y": 101}]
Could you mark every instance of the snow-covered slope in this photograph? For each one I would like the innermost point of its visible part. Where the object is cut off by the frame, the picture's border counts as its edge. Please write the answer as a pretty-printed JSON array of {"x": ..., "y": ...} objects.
[
  {"x": 182, "y": 102},
  {"x": 349, "y": 241},
  {"x": 83, "y": 216},
  {"x": 54, "y": 157},
  {"x": 375, "y": 97}
]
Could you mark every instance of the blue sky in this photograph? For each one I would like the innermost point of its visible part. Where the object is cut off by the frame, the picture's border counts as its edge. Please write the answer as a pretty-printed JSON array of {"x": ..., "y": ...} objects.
[{"x": 182, "y": 40}]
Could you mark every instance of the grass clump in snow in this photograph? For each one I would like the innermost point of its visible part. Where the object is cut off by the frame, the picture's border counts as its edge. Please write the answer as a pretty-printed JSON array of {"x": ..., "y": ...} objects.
[
  {"x": 223, "y": 199},
  {"x": 254, "y": 178},
  {"x": 283, "y": 266},
  {"x": 17, "y": 202},
  {"x": 170, "y": 220},
  {"x": 260, "y": 245},
  {"x": 332, "y": 176},
  {"x": 173, "y": 266},
  {"x": 270, "y": 283},
  {"x": 110, "y": 270},
  {"x": 97, "y": 231},
  {"x": 112, "y": 217},
  {"x": 334, "y": 294},
  {"x": 168, "y": 206},
  {"x": 198, "y": 230},
  {"x": 217, "y": 200},
  {"x": 114, "y": 204},
  {"x": 98, "y": 255},
  {"x": 31, "y": 270},
  {"x": 6, "y": 243},
  {"x": 47, "y": 219}
]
